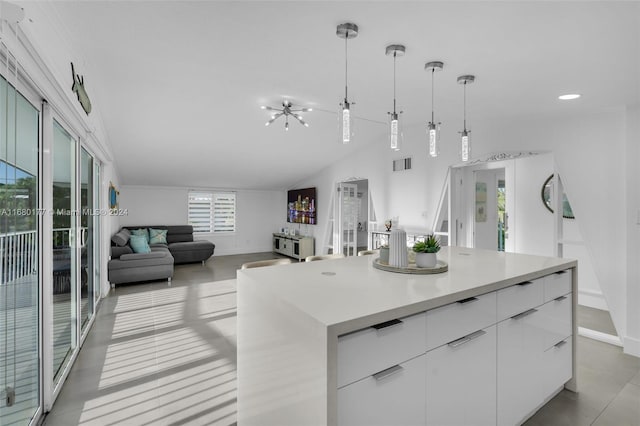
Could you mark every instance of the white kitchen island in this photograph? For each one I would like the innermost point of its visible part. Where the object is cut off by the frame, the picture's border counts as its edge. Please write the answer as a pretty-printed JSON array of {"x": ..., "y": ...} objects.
[{"x": 340, "y": 342}]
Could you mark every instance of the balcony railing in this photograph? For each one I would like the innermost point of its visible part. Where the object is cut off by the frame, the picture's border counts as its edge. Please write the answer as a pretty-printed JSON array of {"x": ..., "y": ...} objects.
[{"x": 19, "y": 251}]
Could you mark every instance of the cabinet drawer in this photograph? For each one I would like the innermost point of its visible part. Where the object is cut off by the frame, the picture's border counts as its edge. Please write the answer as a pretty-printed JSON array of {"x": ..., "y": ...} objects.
[
  {"x": 456, "y": 320},
  {"x": 373, "y": 349},
  {"x": 555, "y": 320},
  {"x": 519, "y": 298},
  {"x": 557, "y": 361},
  {"x": 395, "y": 397},
  {"x": 461, "y": 381},
  {"x": 556, "y": 285}
]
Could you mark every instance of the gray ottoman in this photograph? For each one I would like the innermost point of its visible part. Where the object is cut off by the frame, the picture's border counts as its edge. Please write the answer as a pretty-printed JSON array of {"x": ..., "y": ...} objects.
[
  {"x": 191, "y": 251},
  {"x": 133, "y": 267}
]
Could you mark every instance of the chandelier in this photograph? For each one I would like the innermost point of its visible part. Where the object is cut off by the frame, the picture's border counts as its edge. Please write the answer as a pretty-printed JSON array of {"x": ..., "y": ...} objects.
[{"x": 286, "y": 111}]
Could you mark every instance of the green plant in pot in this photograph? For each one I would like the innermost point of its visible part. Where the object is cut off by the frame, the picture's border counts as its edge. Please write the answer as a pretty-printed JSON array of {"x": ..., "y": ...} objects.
[{"x": 426, "y": 252}]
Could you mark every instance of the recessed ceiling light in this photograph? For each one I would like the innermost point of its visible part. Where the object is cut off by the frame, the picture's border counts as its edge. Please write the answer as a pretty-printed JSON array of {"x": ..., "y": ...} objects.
[{"x": 569, "y": 96}]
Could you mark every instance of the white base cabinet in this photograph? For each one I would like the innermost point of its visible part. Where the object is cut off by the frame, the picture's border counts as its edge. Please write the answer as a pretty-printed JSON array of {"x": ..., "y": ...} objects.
[
  {"x": 534, "y": 349},
  {"x": 394, "y": 396},
  {"x": 488, "y": 360},
  {"x": 460, "y": 376}
]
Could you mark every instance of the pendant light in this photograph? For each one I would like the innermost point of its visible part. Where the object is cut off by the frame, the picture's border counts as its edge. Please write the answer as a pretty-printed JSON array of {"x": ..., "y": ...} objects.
[
  {"x": 465, "y": 141},
  {"x": 346, "y": 31},
  {"x": 433, "y": 128},
  {"x": 395, "y": 132}
]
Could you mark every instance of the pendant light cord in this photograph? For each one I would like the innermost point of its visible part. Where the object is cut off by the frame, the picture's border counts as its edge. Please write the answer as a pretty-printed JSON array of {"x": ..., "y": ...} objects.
[
  {"x": 346, "y": 65},
  {"x": 433, "y": 71},
  {"x": 394, "y": 82},
  {"x": 464, "y": 108}
]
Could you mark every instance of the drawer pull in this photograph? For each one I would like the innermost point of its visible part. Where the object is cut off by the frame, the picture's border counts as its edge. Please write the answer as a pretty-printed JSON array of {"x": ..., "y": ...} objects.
[
  {"x": 386, "y": 324},
  {"x": 467, "y": 300},
  {"x": 525, "y": 283},
  {"x": 560, "y": 299},
  {"x": 524, "y": 314},
  {"x": 560, "y": 343},
  {"x": 467, "y": 338},
  {"x": 560, "y": 272},
  {"x": 386, "y": 373}
]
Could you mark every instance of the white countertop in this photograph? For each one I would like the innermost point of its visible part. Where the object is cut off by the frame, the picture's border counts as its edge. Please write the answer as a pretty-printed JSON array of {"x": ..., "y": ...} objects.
[{"x": 355, "y": 295}]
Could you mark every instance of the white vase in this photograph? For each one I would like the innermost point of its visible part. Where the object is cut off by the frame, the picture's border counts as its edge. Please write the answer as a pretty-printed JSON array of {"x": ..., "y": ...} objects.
[
  {"x": 426, "y": 260},
  {"x": 398, "y": 248}
]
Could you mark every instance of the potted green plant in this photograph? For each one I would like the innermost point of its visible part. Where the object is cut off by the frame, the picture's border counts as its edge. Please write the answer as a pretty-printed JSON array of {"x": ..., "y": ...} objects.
[
  {"x": 384, "y": 253},
  {"x": 426, "y": 252}
]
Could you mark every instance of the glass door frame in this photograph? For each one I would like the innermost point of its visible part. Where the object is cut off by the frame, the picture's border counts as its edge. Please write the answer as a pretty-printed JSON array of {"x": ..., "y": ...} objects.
[
  {"x": 24, "y": 87},
  {"x": 51, "y": 390}
]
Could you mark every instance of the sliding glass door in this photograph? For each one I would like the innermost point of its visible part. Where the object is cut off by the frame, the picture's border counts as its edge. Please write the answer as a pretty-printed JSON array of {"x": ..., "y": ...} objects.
[
  {"x": 65, "y": 272},
  {"x": 19, "y": 258},
  {"x": 88, "y": 217}
]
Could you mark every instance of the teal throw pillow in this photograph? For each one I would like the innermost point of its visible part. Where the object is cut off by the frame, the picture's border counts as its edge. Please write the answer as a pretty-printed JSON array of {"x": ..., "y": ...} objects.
[
  {"x": 141, "y": 231},
  {"x": 157, "y": 236},
  {"x": 139, "y": 244}
]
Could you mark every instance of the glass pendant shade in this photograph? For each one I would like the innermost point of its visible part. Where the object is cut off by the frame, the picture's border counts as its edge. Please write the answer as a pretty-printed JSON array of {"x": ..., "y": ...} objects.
[
  {"x": 433, "y": 128},
  {"x": 465, "y": 137},
  {"x": 434, "y": 138},
  {"x": 346, "y": 125},
  {"x": 346, "y": 31},
  {"x": 395, "y": 133},
  {"x": 465, "y": 146}
]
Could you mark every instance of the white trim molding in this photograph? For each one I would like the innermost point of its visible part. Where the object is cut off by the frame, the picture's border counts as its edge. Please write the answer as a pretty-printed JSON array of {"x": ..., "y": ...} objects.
[
  {"x": 592, "y": 299},
  {"x": 631, "y": 346},
  {"x": 599, "y": 336}
]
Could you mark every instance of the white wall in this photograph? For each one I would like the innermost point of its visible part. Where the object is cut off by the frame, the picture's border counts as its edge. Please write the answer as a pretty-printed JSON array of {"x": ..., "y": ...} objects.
[
  {"x": 110, "y": 224},
  {"x": 258, "y": 215},
  {"x": 632, "y": 339},
  {"x": 534, "y": 233}
]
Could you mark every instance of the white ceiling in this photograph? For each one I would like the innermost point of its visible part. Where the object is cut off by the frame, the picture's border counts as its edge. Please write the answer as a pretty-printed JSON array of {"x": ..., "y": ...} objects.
[{"x": 179, "y": 84}]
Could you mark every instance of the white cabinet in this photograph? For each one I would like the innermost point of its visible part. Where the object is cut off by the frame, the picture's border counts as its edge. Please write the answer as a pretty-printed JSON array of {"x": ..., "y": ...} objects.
[
  {"x": 556, "y": 285},
  {"x": 379, "y": 347},
  {"x": 455, "y": 320},
  {"x": 460, "y": 377},
  {"x": 534, "y": 356},
  {"x": 555, "y": 320},
  {"x": 492, "y": 359},
  {"x": 557, "y": 367},
  {"x": 520, "y": 297},
  {"x": 394, "y": 396},
  {"x": 295, "y": 246},
  {"x": 520, "y": 347}
]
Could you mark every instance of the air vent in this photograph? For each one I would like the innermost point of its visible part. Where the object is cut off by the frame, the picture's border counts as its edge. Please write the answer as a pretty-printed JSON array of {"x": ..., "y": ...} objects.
[{"x": 402, "y": 164}]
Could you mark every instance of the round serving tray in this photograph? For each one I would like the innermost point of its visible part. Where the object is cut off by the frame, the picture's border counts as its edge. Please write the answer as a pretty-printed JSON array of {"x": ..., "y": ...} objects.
[{"x": 441, "y": 266}]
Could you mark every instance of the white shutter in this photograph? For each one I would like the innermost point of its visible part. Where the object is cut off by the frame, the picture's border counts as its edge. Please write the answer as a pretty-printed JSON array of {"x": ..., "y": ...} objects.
[
  {"x": 224, "y": 212},
  {"x": 201, "y": 211}
]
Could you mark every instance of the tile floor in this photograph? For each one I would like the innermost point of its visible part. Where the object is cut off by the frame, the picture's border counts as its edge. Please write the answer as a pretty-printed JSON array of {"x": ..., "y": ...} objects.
[{"x": 166, "y": 355}]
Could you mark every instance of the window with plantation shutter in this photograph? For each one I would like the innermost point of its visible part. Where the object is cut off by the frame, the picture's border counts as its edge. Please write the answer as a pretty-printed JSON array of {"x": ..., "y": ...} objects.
[
  {"x": 224, "y": 212},
  {"x": 212, "y": 212}
]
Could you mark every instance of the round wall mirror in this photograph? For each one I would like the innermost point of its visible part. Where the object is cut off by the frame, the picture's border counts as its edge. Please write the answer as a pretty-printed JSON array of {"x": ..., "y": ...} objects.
[{"x": 547, "y": 190}]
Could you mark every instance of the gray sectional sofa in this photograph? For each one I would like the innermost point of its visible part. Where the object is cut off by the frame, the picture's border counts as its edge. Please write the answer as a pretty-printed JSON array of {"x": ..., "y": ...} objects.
[{"x": 125, "y": 266}]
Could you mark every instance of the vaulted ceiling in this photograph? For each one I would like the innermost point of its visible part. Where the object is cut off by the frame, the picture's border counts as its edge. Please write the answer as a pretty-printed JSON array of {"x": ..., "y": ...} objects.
[{"x": 179, "y": 84}]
